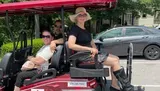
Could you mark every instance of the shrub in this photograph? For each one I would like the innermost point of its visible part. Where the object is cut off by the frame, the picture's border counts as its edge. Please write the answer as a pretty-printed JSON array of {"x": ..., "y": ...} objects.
[{"x": 37, "y": 44}]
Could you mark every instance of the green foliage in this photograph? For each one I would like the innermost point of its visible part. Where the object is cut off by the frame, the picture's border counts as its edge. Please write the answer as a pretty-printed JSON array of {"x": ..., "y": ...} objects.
[
  {"x": 5, "y": 1},
  {"x": 37, "y": 44},
  {"x": 155, "y": 4},
  {"x": 146, "y": 1},
  {"x": 151, "y": 4},
  {"x": 124, "y": 6},
  {"x": 16, "y": 24},
  {"x": 4, "y": 36}
]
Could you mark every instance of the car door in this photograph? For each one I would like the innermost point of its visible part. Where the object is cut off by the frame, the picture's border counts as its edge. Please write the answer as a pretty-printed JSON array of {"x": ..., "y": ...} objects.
[
  {"x": 112, "y": 41},
  {"x": 138, "y": 37}
]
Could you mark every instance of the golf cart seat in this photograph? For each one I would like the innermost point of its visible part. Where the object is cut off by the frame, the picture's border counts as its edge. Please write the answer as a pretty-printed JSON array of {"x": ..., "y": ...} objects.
[
  {"x": 4, "y": 65},
  {"x": 22, "y": 54},
  {"x": 10, "y": 65},
  {"x": 83, "y": 66},
  {"x": 54, "y": 68},
  {"x": 57, "y": 60}
]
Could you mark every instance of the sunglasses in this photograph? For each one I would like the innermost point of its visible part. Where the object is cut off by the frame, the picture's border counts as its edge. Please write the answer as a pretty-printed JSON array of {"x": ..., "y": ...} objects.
[
  {"x": 58, "y": 26},
  {"x": 82, "y": 15},
  {"x": 46, "y": 36}
]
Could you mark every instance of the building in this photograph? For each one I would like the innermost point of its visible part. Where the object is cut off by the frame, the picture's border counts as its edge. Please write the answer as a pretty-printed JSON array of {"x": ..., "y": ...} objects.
[{"x": 144, "y": 19}]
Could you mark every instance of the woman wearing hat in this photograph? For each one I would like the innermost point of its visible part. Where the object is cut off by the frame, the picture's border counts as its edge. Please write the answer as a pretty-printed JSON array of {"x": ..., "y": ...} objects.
[{"x": 80, "y": 40}]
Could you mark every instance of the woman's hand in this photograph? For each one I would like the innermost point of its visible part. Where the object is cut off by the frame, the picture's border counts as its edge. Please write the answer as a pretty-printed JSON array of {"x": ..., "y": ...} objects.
[
  {"x": 53, "y": 46},
  {"x": 94, "y": 51}
]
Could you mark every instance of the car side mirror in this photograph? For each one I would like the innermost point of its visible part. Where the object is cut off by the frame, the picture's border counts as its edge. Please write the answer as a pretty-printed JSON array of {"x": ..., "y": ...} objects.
[{"x": 101, "y": 39}]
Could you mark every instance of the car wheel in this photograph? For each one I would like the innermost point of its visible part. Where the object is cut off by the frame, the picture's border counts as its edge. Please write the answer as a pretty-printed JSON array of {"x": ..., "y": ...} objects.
[{"x": 152, "y": 52}]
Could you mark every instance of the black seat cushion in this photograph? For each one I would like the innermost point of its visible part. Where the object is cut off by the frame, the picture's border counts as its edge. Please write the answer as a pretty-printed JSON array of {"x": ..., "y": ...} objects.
[
  {"x": 22, "y": 54},
  {"x": 57, "y": 58}
]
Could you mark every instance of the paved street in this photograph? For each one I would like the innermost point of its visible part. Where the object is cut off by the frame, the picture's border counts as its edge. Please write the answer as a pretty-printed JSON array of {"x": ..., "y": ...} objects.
[{"x": 145, "y": 73}]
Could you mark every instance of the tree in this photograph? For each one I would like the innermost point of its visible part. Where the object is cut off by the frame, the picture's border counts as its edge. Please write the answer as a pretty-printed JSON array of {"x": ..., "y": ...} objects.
[{"x": 124, "y": 6}]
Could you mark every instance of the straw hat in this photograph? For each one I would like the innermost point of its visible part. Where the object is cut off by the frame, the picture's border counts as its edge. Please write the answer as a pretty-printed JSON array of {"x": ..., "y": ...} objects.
[{"x": 77, "y": 12}]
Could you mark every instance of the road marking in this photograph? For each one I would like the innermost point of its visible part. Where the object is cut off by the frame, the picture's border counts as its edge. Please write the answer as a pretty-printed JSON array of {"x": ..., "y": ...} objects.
[{"x": 156, "y": 86}]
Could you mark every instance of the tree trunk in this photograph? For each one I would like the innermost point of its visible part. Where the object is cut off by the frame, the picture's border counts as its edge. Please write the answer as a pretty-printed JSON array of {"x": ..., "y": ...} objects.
[
  {"x": 132, "y": 19},
  {"x": 94, "y": 23}
]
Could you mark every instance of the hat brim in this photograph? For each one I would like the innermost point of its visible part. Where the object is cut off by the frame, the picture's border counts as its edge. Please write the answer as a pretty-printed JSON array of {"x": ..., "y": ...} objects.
[{"x": 73, "y": 17}]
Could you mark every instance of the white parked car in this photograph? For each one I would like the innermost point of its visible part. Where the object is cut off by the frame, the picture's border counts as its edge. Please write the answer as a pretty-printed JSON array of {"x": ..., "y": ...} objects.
[{"x": 158, "y": 27}]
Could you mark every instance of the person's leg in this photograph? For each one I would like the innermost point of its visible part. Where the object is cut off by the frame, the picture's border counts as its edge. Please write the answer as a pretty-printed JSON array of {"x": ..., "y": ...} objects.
[
  {"x": 114, "y": 83},
  {"x": 16, "y": 88},
  {"x": 123, "y": 79},
  {"x": 113, "y": 61},
  {"x": 22, "y": 76}
]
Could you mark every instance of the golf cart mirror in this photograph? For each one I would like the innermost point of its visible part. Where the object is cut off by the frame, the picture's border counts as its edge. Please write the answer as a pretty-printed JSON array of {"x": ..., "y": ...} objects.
[{"x": 101, "y": 39}]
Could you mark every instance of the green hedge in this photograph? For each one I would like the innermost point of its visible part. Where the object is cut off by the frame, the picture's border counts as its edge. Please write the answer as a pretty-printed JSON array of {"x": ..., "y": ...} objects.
[{"x": 37, "y": 44}]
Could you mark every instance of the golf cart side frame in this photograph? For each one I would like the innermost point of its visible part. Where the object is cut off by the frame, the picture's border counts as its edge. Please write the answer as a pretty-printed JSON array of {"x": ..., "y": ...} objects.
[{"x": 48, "y": 6}]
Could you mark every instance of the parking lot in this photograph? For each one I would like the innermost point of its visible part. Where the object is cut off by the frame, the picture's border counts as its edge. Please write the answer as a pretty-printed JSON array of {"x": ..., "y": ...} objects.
[{"x": 146, "y": 73}]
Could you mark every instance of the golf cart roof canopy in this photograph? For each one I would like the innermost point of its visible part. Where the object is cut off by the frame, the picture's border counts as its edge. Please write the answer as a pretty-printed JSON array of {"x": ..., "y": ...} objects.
[{"x": 43, "y": 6}]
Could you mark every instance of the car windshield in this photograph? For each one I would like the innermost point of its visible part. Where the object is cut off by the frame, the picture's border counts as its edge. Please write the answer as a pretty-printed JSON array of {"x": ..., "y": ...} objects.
[
  {"x": 114, "y": 32},
  {"x": 99, "y": 35}
]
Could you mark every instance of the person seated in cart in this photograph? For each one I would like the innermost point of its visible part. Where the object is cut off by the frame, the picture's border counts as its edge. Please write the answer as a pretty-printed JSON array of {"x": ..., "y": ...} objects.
[
  {"x": 80, "y": 40},
  {"x": 38, "y": 63},
  {"x": 57, "y": 32}
]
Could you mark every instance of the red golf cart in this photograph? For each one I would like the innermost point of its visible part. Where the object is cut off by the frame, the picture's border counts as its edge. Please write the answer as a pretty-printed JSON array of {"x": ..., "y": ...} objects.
[{"x": 66, "y": 72}]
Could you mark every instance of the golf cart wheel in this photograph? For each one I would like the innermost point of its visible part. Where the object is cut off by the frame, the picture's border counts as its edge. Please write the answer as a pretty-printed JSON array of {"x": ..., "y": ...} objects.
[{"x": 152, "y": 52}]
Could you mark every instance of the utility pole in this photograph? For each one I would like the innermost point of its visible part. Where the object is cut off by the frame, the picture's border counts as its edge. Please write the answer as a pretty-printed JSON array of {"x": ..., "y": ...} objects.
[{"x": 37, "y": 27}]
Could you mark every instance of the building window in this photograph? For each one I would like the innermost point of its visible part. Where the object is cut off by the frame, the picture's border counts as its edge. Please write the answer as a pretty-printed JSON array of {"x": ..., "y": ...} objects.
[{"x": 144, "y": 16}]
